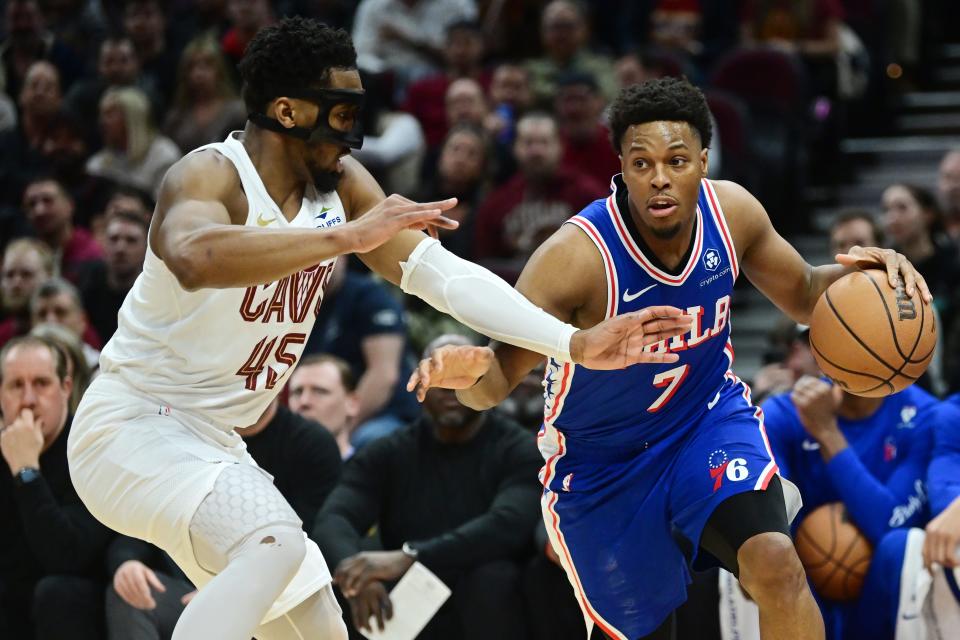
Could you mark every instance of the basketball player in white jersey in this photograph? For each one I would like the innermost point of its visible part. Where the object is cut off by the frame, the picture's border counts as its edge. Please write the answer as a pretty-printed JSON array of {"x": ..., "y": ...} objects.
[{"x": 243, "y": 240}]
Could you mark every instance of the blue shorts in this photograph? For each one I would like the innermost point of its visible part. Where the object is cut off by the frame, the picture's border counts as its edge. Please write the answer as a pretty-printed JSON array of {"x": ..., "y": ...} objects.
[{"x": 617, "y": 517}]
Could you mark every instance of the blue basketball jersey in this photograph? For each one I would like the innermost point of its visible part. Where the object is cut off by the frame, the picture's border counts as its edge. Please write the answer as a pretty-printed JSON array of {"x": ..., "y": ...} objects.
[{"x": 647, "y": 403}]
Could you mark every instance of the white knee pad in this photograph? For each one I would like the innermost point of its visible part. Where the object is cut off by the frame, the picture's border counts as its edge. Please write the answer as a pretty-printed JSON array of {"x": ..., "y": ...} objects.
[{"x": 236, "y": 513}]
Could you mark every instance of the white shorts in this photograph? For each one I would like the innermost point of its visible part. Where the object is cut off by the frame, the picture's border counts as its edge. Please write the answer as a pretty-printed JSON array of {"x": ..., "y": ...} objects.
[{"x": 142, "y": 468}]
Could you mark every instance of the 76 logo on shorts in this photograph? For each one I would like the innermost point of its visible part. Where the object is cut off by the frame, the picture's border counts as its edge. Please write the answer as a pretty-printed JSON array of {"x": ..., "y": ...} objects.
[{"x": 720, "y": 465}]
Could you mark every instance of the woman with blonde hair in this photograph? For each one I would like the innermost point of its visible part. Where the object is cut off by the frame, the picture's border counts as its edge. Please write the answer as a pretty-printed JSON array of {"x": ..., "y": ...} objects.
[
  {"x": 134, "y": 154},
  {"x": 206, "y": 106}
]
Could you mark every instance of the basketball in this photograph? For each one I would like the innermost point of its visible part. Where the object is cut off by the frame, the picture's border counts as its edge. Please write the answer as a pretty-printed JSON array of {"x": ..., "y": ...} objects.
[
  {"x": 869, "y": 338},
  {"x": 834, "y": 553}
]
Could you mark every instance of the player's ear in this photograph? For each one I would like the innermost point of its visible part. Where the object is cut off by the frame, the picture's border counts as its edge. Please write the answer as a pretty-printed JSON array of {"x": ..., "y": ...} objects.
[
  {"x": 704, "y": 161},
  {"x": 284, "y": 111}
]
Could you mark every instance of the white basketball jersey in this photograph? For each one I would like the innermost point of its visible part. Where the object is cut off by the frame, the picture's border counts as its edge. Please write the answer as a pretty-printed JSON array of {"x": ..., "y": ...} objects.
[{"x": 222, "y": 354}]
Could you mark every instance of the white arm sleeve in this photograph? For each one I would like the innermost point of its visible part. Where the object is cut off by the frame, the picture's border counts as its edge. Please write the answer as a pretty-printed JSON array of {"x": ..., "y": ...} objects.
[{"x": 482, "y": 301}]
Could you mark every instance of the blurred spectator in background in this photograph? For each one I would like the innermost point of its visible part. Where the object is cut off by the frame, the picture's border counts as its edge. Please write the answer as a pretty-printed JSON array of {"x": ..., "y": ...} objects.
[
  {"x": 322, "y": 389},
  {"x": 205, "y": 107},
  {"x": 517, "y": 217},
  {"x": 78, "y": 23},
  {"x": 510, "y": 98},
  {"x": 117, "y": 66},
  {"x": 120, "y": 199},
  {"x": 28, "y": 40},
  {"x": 913, "y": 223},
  {"x": 50, "y": 211},
  {"x": 462, "y": 172},
  {"x": 133, "y": 153},
  {"x": 363, "y": 324},
  {"x": 586, "y": 139},
  {"x": 72, "y": 348},
  {"x": 405, "y": 36},
  {"x": 635, "y": 67},
  {"x": 948, "y": 185},
  {"x": 463, "y": 52},
  {"x": 565, "y": 34},
  {"x": 247, "y": 17},
  {"x": 676, "y": 26},
  {"x": 456, "y": 491},
  {"x": 51, "y": 548},
  {"x": 64, "y": 153},
  {"x": 467, "y": 104},
  {"x": 146, "y": 24},
  {"x": 39, "y": 101},
  {"x": 807, "y": 28},
  {"x": 854, "y": 228},
  {"x": 104, "y": 285},
  {"x": 149, "y": 592},
  {"x": 56, "y": 301},
  {"x": 26, "y": 264}
]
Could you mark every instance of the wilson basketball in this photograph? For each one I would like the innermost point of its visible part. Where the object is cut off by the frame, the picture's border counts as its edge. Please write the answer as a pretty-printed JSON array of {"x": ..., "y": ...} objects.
[
  {"x": 870, "y": 338},
  {"x": 834, "y": 553}
]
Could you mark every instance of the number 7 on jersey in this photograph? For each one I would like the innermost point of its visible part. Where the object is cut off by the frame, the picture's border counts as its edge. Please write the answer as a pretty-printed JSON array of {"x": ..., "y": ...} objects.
[{"x": 671, "y": 379}]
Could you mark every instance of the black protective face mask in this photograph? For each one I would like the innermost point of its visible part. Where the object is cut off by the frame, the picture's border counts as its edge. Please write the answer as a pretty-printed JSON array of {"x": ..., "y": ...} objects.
[{"x": 326, "y": 99}]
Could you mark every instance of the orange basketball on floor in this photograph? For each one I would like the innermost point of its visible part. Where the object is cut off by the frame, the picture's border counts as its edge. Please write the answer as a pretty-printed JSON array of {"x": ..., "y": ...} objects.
[
  {"x": 869, "y": 338},
  {"x": 834, "y": 553}
]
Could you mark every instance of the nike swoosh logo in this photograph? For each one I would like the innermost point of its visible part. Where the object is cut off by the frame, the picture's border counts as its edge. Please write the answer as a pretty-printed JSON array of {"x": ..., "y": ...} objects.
[
  {"x": 713, "y": 403},
  {"x": 262, "y": 222},
  {"x": 810, "y": 445},
  {"x": 628, "y": 297}
]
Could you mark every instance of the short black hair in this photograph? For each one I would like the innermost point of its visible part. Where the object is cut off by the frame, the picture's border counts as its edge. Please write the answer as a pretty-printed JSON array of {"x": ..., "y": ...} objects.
[
  {"x": 289, "y": 54},
  {"x": 669, "y": 99}
]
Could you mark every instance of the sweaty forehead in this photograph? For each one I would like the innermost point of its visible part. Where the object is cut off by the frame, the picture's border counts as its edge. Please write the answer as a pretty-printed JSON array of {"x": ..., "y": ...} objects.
[{"x": 660, "y": 133}]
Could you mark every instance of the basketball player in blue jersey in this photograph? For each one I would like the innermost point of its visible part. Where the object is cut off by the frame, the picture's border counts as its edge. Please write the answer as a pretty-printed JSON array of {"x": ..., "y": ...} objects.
[
  {"x": 660, "y": 465},
  {"x": 241, "y": 246}
]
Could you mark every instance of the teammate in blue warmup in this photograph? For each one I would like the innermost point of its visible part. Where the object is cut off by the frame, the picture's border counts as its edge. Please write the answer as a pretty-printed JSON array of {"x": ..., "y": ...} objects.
[
  {"x": 660, "y": 465},
  {"x": 871, "y": 454},
  {"x": 911, "y": 591}
]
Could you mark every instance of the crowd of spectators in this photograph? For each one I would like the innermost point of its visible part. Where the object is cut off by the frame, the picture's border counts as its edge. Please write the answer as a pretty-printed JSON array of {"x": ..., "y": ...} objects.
[{"x": 501, "y": 104}]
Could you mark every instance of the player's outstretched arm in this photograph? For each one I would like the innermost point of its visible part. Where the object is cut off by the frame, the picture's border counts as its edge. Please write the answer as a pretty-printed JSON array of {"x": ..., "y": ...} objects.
[
  {"x": 780, "y": 273},
  {"x": 562, "y": 283},
  {"x": 199, "y": 231}
]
